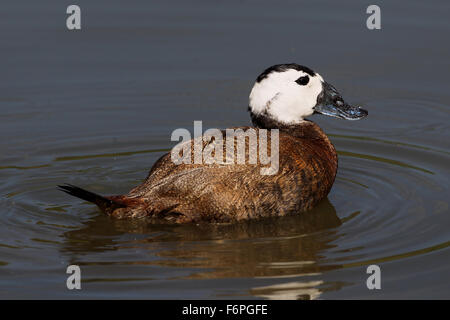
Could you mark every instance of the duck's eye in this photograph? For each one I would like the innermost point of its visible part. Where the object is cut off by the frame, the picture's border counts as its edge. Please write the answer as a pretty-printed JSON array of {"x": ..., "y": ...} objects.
[{"x": 302, "y": 80}]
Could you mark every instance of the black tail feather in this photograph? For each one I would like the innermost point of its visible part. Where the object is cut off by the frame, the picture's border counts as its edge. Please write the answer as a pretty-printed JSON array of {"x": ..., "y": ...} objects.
[{"x": 105, "y": 204}]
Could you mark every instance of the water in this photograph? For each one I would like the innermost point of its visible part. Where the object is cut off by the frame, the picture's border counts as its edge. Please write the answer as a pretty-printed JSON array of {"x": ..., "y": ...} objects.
[{"x": 96, "y": 108}]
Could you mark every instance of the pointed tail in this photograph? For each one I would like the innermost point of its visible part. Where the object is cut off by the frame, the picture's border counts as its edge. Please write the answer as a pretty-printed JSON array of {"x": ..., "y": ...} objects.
[{"x": 106, "y": 204}]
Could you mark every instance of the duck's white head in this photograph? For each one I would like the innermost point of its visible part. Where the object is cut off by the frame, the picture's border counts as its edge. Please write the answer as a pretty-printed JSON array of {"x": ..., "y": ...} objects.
[{"x": 287, "y": 93}]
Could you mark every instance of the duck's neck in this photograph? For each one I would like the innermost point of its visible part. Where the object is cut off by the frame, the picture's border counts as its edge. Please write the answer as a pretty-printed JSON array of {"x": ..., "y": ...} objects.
[
  {"x": 310, "y": 136},
  {"x": 305, "y": 129}
]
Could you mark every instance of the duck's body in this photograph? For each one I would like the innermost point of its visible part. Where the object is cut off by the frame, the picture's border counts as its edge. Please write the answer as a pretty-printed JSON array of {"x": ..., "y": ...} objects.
[{"x": 220, "y": 193}]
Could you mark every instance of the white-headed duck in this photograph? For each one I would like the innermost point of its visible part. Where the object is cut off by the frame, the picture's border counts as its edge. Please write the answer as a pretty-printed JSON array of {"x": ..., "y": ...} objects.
[{"x": 281, "y": 98}]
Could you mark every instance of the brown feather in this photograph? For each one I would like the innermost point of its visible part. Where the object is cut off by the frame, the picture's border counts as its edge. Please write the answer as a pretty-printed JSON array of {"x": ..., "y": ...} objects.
[
  {"x": 218, "y": 193},
  {"x": 222, "y": 193}
]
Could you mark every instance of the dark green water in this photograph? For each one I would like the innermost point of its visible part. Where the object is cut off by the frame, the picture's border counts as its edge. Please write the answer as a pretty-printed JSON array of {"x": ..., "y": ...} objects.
[{"x": 96, "y": 108}]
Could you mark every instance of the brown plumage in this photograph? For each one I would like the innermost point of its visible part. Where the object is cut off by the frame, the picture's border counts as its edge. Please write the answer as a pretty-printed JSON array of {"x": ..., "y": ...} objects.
[
  {"x": 216, "y": 192},
  {"x": 220, "y": 193}
]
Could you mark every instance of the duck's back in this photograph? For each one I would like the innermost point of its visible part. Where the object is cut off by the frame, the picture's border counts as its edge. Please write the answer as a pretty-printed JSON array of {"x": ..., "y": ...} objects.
[{"x": 225, "y": 192}]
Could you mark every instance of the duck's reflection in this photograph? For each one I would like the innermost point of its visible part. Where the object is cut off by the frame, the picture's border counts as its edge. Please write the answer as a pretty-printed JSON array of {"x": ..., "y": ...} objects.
[
  {"x": 273, "y": 247},
  {"x": 294, "y": 290}
]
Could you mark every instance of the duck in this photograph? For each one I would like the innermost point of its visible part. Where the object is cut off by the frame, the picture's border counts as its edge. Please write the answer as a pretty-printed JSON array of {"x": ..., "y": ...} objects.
[{"x": 281, "y": 99}]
